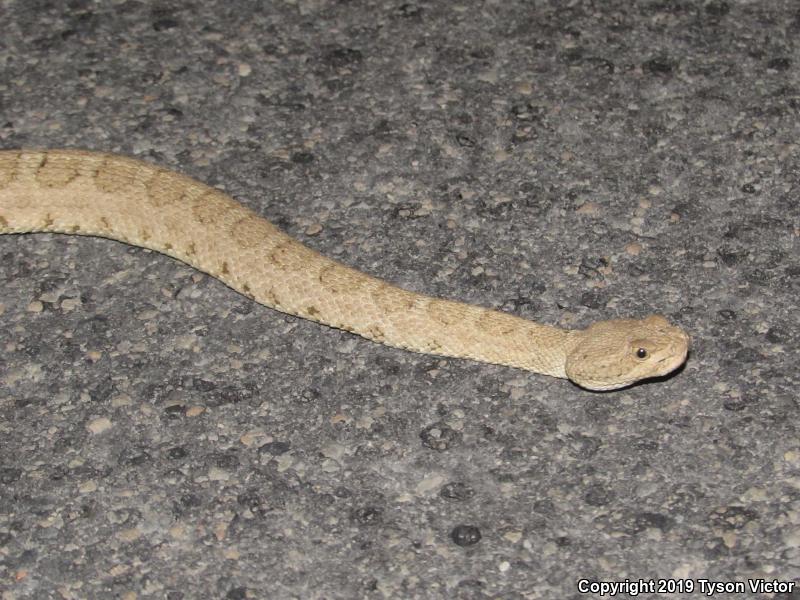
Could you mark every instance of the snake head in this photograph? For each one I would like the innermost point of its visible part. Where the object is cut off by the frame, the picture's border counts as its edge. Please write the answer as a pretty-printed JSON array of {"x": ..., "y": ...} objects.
[{"x": 609, "y": 355}]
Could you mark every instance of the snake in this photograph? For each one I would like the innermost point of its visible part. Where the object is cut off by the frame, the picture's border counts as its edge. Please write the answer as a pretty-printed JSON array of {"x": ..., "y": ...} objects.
[{"x": 111, "y": 196}]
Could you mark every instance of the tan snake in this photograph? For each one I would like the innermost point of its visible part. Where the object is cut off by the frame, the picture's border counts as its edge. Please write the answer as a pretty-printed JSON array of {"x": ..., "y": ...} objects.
[{"x": 87, "y": 193}]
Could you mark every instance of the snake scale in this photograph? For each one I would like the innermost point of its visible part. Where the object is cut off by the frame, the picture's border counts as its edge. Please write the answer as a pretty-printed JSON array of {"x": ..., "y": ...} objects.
[{"x": 89, "y": 193}]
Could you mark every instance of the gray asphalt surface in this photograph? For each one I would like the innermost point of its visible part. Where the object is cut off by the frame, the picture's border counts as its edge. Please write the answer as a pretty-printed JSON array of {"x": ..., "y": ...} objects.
[{"x": 568, "y": 161}]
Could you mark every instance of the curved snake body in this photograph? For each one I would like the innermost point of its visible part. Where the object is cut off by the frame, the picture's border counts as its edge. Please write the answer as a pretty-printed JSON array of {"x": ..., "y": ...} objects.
[{"x": 88, "y": 193}]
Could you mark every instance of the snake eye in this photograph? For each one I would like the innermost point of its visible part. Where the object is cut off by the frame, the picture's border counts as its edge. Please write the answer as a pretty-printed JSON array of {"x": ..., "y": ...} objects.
[{"x": 641, "y": 353}]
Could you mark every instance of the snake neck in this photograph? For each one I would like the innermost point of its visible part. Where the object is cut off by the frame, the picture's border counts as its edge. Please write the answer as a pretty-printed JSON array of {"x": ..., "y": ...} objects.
[{"x": 454, "y": 329}]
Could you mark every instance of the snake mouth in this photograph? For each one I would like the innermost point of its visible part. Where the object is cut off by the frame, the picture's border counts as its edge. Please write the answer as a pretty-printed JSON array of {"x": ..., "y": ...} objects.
[
  {"x": 670, "y": 363},
  {"x": 605, "y": 386},
  {"x": 665, "y": 368},
  {"x": 679, "y": 354}
]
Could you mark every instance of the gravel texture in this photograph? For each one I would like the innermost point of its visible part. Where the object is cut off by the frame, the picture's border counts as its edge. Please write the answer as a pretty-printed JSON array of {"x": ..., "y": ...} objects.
[{"x": 163, "y": 437}]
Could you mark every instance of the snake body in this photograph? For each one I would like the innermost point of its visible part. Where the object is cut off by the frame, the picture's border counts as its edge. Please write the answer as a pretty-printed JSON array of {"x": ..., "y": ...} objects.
[{"x": 89, "y": 193}]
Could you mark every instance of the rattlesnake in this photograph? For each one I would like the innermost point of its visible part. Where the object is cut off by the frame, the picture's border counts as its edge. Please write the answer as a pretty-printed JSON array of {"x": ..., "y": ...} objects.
[{"x": 87, "y": 193}]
